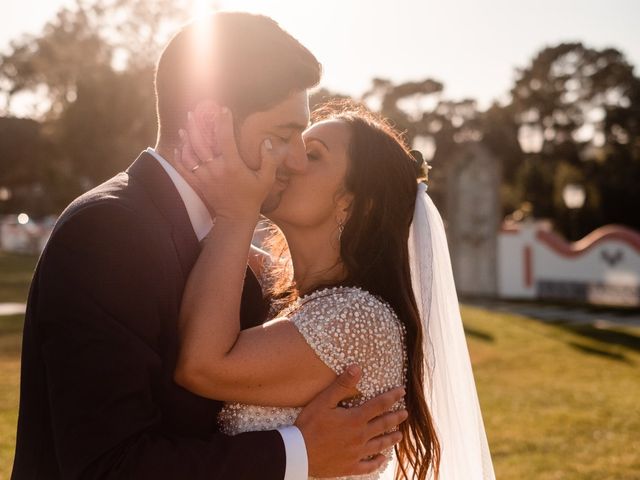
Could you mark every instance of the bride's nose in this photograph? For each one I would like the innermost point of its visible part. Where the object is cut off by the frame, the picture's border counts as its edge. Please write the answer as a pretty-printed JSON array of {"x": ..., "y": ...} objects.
[{"x": 296, "y": 159}]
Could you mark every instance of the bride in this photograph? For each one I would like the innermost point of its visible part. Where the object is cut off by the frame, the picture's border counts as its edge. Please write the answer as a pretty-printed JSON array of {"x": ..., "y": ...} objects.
[{"x": 363, "y": 278}]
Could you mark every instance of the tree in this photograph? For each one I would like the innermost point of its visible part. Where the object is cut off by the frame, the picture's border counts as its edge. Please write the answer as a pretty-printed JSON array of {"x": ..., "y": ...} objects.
[
  {"x": 27, "y": 170},
  {"x": 616, "y": 168},
  {"x": 322, "y": 96},
  {"x": 95, "y": 64},
  {"x": 111, "y": 120},
  {"x": 403, "y": 104},
  {"x": 441, "y": 126},
  {"x": 583, "y": 105},
  {"x": 83, "y": 41}
]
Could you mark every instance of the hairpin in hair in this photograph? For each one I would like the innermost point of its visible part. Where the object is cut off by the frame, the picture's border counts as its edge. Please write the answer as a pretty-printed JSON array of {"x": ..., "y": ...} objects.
[{"x": 421, "y": 167}]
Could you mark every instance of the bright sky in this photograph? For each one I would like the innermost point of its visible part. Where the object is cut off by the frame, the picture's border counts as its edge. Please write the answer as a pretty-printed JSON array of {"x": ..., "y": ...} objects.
[{"x": 473, "y": 46}]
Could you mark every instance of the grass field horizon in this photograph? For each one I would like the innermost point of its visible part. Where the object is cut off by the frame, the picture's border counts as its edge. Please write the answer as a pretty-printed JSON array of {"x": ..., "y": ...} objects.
[{"x": 559, "y": 401}]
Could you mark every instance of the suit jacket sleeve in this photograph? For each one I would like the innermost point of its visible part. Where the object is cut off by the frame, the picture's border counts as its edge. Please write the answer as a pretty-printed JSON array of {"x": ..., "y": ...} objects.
[{"x": 100, "y": 335}]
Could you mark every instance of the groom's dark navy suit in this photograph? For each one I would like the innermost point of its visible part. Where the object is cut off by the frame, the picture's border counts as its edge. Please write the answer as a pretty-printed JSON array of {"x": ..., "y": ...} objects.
[{"x": 100, "y": 344}]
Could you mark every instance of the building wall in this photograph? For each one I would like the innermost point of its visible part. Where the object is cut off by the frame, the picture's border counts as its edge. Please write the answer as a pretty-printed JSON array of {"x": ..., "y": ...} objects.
[
  {"x": 513, "y": 245},
  {"x": 604, "y": 267},
  {"x": 473, "y": 217}
]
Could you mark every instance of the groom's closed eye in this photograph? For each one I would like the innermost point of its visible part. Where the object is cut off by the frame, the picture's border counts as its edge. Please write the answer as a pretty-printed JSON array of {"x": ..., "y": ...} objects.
[
  {"x": 283, "y": 138},
  {"x": 287, "y": 131}
]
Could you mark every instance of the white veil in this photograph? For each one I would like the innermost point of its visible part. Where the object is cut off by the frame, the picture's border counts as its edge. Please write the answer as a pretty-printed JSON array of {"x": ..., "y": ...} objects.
[{"x": 449, "y": 385}]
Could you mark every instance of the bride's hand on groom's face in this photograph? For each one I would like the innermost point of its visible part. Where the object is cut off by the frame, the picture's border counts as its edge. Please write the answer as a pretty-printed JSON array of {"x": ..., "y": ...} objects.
[{"x": 212, "y": 165}]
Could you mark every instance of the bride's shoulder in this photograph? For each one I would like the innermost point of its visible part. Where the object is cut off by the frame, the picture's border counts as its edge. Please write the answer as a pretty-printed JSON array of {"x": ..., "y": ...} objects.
[
  {"x": 348, "y": 325},
  {"x": 347, "y": 304}
]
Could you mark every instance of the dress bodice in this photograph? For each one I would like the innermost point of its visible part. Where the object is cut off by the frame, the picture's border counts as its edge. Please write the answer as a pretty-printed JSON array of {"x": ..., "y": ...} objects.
[{"x": 343, "y": 326}]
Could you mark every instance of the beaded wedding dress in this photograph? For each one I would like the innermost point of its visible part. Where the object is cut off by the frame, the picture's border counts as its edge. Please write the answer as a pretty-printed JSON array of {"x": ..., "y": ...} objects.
[
  {"x": 343, "y": 326},
  {"x": 349, "y": 325}
]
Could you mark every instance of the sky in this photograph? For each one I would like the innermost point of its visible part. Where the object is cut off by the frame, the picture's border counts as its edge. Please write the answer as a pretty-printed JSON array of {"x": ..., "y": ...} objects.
[{"x": 472, "y": 46}]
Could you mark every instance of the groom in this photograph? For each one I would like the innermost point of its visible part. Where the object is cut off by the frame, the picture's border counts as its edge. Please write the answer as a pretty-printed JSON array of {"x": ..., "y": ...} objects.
[{"x": 100, "y": 338}]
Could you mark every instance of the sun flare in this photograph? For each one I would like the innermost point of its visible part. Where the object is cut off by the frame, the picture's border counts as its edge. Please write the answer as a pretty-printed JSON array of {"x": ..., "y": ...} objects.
[{"x": 202, "y": 8}]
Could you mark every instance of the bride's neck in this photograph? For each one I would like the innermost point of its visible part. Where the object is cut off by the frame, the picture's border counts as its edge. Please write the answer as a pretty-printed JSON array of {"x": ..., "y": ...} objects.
[{"x": 316, "y": 259}]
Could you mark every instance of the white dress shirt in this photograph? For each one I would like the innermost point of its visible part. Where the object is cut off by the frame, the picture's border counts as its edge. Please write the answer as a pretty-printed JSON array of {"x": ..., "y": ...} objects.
[{"x": 297, "y": 463}]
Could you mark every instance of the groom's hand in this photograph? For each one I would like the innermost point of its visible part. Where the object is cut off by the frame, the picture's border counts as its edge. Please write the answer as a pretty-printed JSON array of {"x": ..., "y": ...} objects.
[{"x": 342, "y": 442}]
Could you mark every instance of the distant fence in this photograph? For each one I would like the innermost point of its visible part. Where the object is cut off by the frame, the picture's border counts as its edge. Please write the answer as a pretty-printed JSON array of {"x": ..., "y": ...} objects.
[
  {"x": 26, "y": 236},
  {"x": 602, "y": 268},
  {"x": 533, "y": 262}
]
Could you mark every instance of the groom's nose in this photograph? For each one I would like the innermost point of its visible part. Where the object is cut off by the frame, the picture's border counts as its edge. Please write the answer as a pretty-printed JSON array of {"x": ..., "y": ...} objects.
[{"x": 296, "y": 158}]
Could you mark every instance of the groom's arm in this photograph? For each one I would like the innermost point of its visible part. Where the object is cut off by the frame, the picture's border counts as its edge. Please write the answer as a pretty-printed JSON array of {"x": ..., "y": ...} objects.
[{"x": 101, "y": 336}]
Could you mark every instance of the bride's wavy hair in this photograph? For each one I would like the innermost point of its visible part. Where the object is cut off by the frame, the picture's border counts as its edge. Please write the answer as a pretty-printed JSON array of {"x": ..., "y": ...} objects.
[{"x": 382, "y": 175}]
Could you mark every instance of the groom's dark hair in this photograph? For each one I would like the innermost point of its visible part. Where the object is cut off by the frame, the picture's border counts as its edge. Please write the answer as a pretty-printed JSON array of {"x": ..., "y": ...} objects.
[{"x": 244, "y": 61}]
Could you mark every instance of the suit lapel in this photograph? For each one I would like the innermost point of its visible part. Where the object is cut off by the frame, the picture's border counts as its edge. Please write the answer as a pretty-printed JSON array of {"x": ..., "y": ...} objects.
[{"x": 149, "y": 173}]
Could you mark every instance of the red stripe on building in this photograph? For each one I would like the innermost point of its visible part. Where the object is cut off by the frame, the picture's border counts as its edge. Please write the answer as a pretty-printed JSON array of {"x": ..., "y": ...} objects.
[
  {"x": 528, "y": 267},
  {"x": 602, "y": 234}
]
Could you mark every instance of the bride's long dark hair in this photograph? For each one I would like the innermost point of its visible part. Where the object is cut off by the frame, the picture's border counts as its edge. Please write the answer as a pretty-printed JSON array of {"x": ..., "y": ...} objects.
[{"x": 374, "y": 250}]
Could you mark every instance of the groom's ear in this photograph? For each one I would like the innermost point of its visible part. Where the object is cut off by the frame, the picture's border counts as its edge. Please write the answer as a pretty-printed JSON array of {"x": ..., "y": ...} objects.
[{"x": 205, "y": 113}]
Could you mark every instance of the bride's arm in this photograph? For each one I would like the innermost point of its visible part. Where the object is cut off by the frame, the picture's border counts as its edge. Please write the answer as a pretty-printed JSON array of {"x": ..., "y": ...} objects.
[{"x": 271, "y": 364}]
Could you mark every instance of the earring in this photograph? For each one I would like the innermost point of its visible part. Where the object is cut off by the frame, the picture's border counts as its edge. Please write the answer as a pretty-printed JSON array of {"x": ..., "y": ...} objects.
[{"x": 340, "y": 230}]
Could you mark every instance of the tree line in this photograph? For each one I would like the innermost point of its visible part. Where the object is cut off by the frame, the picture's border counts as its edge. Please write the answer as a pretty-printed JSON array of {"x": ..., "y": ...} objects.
[{"x": 573, "y": 117}]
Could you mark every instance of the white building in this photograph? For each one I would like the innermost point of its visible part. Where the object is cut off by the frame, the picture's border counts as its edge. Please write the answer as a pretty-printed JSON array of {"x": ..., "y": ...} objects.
[{"x": 602, "y": 268}]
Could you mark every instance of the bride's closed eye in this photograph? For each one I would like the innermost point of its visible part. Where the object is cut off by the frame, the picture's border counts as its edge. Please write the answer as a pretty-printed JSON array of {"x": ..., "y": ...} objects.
[{"x": 312, "y": 155}]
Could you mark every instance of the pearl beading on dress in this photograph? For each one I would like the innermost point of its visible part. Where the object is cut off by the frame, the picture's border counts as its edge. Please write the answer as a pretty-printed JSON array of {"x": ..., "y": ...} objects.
[{"x": 343, "y": 326}]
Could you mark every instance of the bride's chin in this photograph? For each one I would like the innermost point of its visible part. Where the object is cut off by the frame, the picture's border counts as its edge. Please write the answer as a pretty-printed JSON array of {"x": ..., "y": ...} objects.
[
  {"x": 279, "y": 218},
  {"x": 274, "y": 218},
  {"x": 277, "y": 214}
]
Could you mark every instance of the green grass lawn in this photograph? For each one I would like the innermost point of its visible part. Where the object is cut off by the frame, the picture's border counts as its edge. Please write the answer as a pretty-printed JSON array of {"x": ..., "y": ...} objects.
[
  {"x": 558, "y": 402},
  {"x": 15, "y": 277},
  {"x": 10, "y": 333}
]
